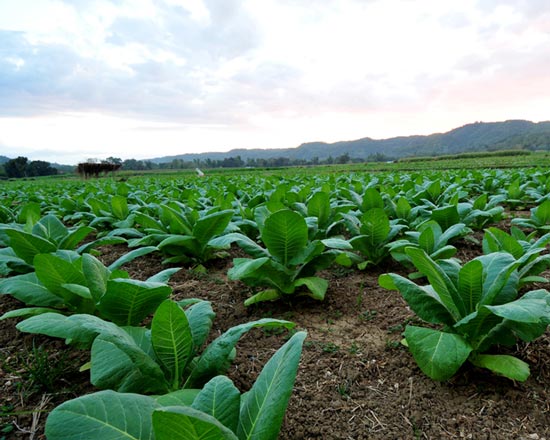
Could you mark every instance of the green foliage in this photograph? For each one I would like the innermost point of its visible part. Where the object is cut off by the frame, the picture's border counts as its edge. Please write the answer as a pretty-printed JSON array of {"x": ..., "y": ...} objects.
[
  {"x": 82, "y": 284},
  {"x": 47, "y": 235},
  {"x": 478, "y": 306},
  {"x": 527, "y": 252},
  {"x": 289, "y": 261},
  {"x": 218, "y": 411},
  {"x": 165, "y": 358},
  {"x": 372, "y": 232},
  {"x": 539, "y": 220}
]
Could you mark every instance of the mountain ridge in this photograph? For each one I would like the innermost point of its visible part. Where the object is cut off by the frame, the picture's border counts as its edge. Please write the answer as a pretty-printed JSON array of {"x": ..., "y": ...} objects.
[{"x": 477, "y": 136}]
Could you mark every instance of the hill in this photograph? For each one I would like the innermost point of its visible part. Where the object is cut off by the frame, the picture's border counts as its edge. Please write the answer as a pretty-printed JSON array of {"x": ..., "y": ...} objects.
[{"x": 476, "y": 137}]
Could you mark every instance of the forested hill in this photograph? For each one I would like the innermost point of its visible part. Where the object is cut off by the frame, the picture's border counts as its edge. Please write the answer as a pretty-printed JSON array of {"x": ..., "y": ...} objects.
[{"x": 479, "y": 136}]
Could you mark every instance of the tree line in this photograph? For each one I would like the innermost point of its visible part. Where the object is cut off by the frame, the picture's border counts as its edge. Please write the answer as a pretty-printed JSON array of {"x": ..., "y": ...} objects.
[{"x": 22, "y": 167}]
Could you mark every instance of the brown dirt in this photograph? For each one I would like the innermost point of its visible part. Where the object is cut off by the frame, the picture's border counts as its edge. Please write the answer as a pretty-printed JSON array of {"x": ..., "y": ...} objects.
[{"x": 355, "y": 380}]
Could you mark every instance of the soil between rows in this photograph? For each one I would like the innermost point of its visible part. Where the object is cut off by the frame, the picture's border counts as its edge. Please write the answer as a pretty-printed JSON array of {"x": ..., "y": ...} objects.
[{"x": 355, "y": 380}]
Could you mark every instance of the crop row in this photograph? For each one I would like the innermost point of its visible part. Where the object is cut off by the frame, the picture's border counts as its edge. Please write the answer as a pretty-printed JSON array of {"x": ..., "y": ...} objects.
[{"x": 291, "y": 228}]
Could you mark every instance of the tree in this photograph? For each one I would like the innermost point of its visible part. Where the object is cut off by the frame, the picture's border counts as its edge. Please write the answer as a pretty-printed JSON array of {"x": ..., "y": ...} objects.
[
  {"x": 40, "y": 168},
  {"x": 16, "y": 167}
]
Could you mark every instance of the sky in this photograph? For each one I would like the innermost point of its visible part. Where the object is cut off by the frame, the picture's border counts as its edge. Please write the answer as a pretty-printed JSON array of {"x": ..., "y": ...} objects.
[{"x": 82, "y": 79}]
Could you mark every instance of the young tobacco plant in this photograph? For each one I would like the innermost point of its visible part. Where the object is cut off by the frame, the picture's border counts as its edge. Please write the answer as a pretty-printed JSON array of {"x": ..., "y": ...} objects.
[
  {"x": 67, "y": 282},
  {"x": 372, "y": 232},
  {"x": 182, "y": 234},
  {"x": 217, "y": 411},
  {"x": 430, "y": 238},
  {"x": 539, "y": 220},
  {"x": 289, "y": 260},
  {"x": 164, "y": 358},
  {"x": 527, "y": 252},
  {"x": 47, "y": 235},
  {"x": 478, "y": 306}
]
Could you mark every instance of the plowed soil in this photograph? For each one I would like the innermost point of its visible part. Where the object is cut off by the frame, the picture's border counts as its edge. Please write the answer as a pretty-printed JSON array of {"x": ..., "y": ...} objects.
[{"x": 355, "y": 381}]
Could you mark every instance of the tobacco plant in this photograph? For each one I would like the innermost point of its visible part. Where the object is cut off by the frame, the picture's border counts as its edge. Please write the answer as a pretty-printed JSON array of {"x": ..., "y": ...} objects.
[
  {"x": 217, "y": 411},
  {"x": 289, "y": 261},
  {"x": 477, "y": 306}
]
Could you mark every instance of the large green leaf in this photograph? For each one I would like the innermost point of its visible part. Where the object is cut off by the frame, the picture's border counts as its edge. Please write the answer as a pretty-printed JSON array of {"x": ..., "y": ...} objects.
[
  {"x": 50, "y": 228},
  {"x": 28, "y": 289},
  {"x": 119, "y": 205},
  {"x": 105, "y": 415},
  {"x": 439, "y": 280},
  {"x": 215, "y": 358},
  {"x": 446, "y": 216},
  {"x": 96, "y": 274},
  {"x": 220, "y": 399},
  {"x": 505, "y": 365},
  {"x": 119, "y": 364},
  {"x": 172, "y": 339},
  {"x": 470, "y": 284},
  {"x": 245, "y": 243},
  {"x": 211, "y": 225},
  {"x": 285, "y": 234},
  {"x": 375, "y": 224},
  {"x": 424, "y": 302},
  {"x": 317, "y": 286},
  {"x": 533, "y": 307},
  {"x": 372, "y": 199},
  {"x": 200, "y": 317},
  {"x": 128, "y": 302},
  {"x": 319, "y": 206},
  {"x": 497, "y": 271},
  {"x": 80, "y": 329},
  {"x": 185, "y": 423},
  {"x": 438, "y": 354},
  {"x": 74, "y": 237},
  {"x": 26, "y": 246},
  {"x": 264, "y": 406}
]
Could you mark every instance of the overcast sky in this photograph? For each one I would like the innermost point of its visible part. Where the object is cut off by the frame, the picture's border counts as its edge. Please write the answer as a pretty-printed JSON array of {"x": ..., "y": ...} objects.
[{"x": 139, "y": 79}]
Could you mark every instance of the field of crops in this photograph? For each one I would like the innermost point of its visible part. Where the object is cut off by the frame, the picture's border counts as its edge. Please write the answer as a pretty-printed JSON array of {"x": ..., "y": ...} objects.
[{"x": 408, "y": 304}]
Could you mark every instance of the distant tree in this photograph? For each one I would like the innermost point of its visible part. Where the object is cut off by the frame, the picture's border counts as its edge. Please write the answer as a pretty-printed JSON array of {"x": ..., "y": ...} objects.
[
  {"x": 344, "y": 158},
  {"x": 16, "y": 167},
  {"x": 40, "y": 168},
  {"x": 115, "y": 160}
]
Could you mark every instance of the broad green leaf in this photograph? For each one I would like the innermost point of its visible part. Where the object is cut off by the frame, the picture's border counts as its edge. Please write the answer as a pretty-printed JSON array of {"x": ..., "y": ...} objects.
[
  {"x": 26, "y": 312},
  {"x": 317, "y": 286},
  {"x": 164, "y": 276},
  {"x": 372, "y": 199},
  {"x": 245, "y": 243},
  {"x": 28, "y": 289},
  {"x": 285, "y": 234},
  {"x": 216, "y": 357},
  {"x": 319, "y": 206},
  {"x": 439, "y": 280},
  {"x": 220, "y": 399},
  {"x": 426, "y": 240},
  {"x": 542, "y": 213},
  {"x": 80, "y": 329},
  {"x": 178, "y": 398},
  {"x": 446, "y": 216},
  {"x": 200, "y": 317},
  {"x": 439, "y": 355},
  {"x": 505, "y": 365},
  {"x": 422, "y": 300},
  {"x": 264, "y": 406},
  {"x": 185, "y": 423},
  {"x": 533, "y": 307},
  {"x": 96, "y": 274},
  {"x": 26, "y": 246},
  {"x": 264, "y": 295},
  {"x": 376, "y": 226},
  {"x": 497, "y": 269},
  {"x": 470, "y": 284},
  {"x": 29, "y": 214},
  {"x": 121, "y": 365},
  {"x": 105, "y": 415},
  {"x": 128, "y": 302},
  {"x": 211, "y": 225},
  {"x": 403, "y": 208},
  {"x": 244, "y": 267},
  {"x": 75, "y": 237},
  {"x": 50, "y": 228},
  {"x": 119, "y": 204},
  {"x": 172, "y": 339}
]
